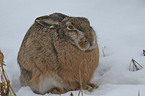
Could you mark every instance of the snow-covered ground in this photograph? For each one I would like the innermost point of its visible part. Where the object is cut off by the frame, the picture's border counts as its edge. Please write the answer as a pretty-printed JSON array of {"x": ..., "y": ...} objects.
[{"x": 119, "y": 25}]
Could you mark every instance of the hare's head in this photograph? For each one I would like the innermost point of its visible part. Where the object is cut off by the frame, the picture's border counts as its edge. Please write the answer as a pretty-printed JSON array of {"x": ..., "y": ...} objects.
[
  {"x": 79, "y": 32},
  {"x": 76, "y": 30}
]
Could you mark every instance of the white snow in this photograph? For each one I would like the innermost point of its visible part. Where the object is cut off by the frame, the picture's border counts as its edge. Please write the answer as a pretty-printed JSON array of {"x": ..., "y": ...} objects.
[{"x": 119, "y": 25}]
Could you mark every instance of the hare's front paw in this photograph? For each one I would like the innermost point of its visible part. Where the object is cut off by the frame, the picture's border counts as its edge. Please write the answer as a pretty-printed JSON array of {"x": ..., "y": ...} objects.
[
  {"x": 57, "y": 91},
  {"x": 90, "y": 86}
]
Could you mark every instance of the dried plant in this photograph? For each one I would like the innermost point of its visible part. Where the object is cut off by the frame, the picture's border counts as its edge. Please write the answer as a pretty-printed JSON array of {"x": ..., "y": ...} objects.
[
  {"x": 144, "y": 52},
  {"x": 134, "y": 66},
  {"x": 5, "y": 87}
]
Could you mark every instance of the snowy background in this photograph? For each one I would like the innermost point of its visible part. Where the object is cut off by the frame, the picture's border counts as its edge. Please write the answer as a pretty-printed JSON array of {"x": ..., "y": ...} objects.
[{"x": 120, "y": 28}]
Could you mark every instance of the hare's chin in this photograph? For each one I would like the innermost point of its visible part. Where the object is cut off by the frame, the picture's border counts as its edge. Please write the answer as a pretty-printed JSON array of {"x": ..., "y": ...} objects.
[
  {"x": 84, "y": 49},
  {"x": 88, "y": 48}
]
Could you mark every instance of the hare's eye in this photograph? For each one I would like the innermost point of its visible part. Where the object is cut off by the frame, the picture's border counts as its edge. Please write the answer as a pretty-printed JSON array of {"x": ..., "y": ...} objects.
[{"x": 70, "y": 27}]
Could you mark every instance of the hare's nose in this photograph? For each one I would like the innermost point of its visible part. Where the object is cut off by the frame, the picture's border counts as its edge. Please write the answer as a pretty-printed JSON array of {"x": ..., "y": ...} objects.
[
  {"x": 91, "y": 44},
  {"x": 90, "y": 41}
]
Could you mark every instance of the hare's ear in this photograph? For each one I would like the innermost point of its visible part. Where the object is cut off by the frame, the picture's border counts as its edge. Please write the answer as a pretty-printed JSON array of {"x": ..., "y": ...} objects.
[{"x": 47, "y": 21}]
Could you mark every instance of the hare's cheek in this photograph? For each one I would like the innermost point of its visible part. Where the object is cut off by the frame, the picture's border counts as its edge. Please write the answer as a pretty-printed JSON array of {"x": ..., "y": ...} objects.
[
  {"x": 83, "y": 45},
  {"x": 73, "y": 34}
]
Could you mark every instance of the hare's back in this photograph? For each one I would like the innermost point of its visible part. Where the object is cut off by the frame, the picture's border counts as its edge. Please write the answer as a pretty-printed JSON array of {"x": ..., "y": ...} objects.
[{"x": 37, "y": 50}]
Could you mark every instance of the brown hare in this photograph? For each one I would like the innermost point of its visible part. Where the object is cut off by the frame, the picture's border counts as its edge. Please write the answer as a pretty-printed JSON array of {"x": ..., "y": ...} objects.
[{"x": 58, "y": 54}]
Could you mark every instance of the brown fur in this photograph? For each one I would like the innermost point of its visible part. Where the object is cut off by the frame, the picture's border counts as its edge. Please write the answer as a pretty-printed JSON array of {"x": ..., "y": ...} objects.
[{"x": 48, "y": 51}]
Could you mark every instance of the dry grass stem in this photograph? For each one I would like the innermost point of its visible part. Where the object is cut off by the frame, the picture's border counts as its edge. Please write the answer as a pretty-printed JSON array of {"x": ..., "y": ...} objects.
[
  {"x": 5, "y": 87},
  {"x": 138, "y": 93},
  {"x": 81, "y": 90},
  {"x": 103, "y": 51},
  {"x": 134, "y": 66},
  {"x": 71, "y": 94}
]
